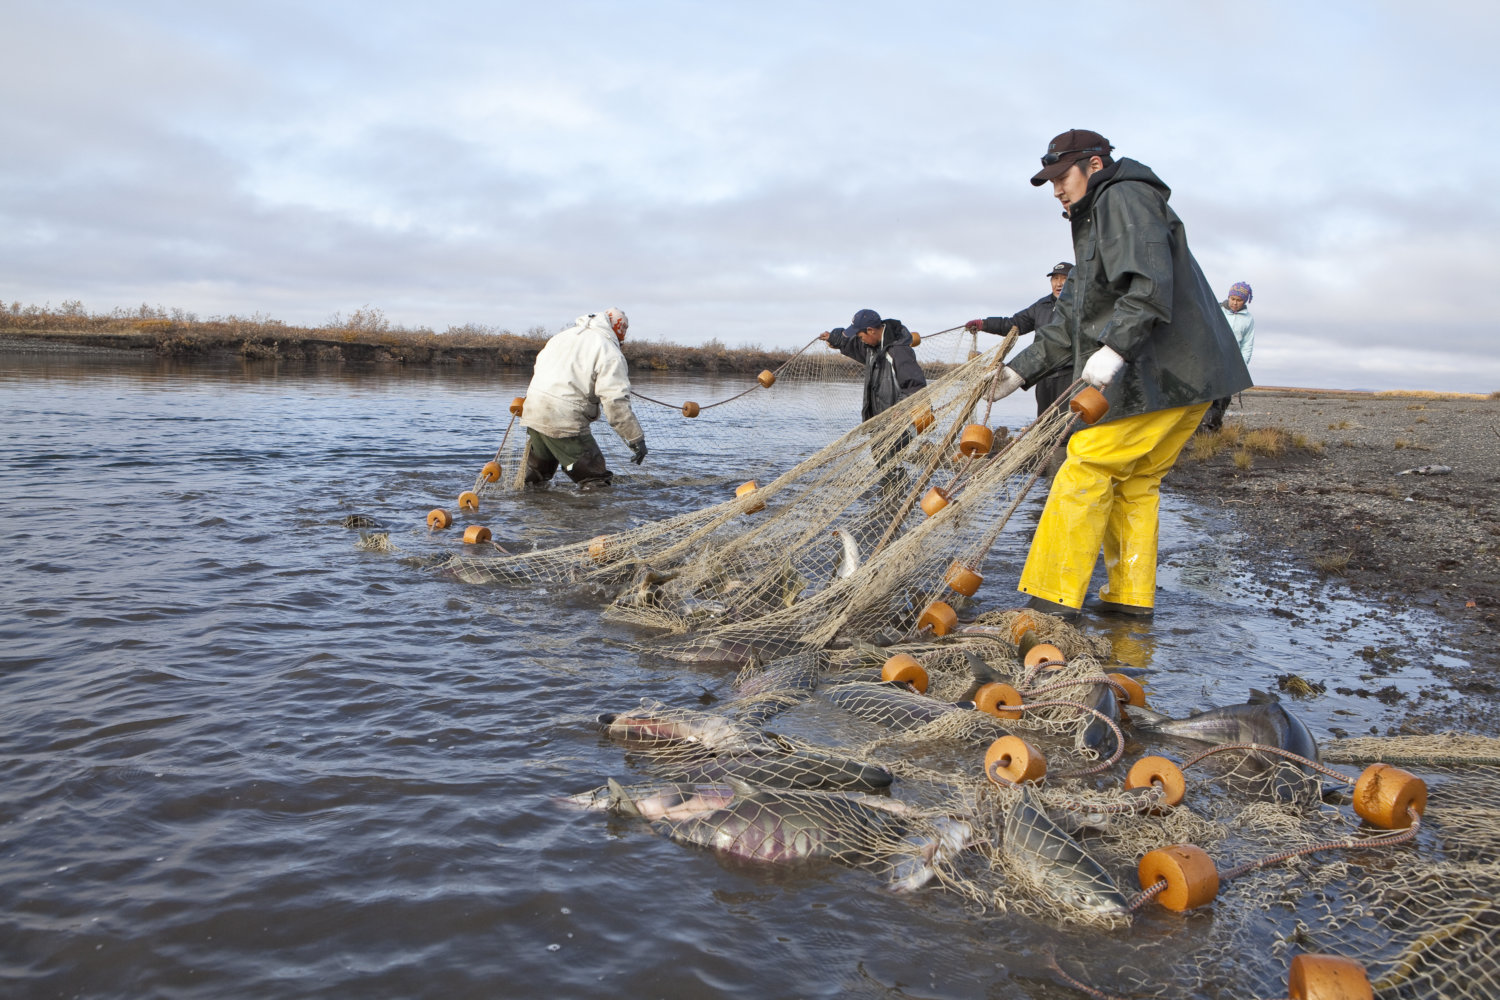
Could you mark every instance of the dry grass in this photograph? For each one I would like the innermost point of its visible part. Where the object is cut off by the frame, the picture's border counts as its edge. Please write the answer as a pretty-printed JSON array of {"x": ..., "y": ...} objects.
[
  {"x": 1401, "y": 443},
  {"x": 1430, "y": 394},
  {"x": 1269, "y": 442},
  {"x": 366, "y": 333},
  {"x": 1333, "y": 562},
  {"x": 1342, "y": 425}
]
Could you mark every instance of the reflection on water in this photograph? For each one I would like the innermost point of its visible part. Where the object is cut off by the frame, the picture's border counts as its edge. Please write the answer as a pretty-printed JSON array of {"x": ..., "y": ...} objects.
[{"x": 244, "y": 758}]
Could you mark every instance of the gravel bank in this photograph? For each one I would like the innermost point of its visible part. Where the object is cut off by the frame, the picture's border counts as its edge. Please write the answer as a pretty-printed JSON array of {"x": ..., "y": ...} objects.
[{"x": 1347, "y": 512}]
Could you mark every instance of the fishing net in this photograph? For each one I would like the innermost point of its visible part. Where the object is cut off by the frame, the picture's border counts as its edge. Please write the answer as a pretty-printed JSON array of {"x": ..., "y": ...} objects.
[
  {"x": 815, "y": 581},
  {"x": 712, "y": 425},
  {"x": 877, "y": 537},
  {"x": 863, "y": 773}
]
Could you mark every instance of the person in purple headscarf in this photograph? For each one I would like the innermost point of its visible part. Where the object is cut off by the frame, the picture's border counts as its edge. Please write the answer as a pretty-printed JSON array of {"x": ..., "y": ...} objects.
[{"x": 1243, "y": 325}]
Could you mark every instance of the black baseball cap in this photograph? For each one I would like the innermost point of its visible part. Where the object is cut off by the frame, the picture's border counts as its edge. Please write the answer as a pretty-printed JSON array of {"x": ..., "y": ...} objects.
[
  {"x": 1063, "y": 268},
  {"x": 863, "y": 320},
  {"x": 1067, "y": 149}
]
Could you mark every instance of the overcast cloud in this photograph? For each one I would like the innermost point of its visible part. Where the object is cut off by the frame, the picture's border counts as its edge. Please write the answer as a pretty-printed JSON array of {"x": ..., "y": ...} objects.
[{"x": 752, "y": 172}]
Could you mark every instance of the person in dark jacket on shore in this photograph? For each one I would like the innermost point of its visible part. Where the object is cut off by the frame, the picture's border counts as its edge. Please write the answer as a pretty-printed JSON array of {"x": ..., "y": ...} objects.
[
  {"x": 884, "y": 348},
  {"x": 1138, "y": 321},
  {"x": 1034, "y": 317}
]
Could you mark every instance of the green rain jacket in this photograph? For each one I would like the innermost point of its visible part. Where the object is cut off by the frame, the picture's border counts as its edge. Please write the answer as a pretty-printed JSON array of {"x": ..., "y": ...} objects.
[{"x": 1137, "y": 288}]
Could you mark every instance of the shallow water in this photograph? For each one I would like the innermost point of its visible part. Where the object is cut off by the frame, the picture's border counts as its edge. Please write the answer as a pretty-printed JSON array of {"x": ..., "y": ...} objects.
[{"x": 243, "y": 758}]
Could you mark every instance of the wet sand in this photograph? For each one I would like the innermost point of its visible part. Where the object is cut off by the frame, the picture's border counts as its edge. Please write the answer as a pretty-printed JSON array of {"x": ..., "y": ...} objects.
[{"x": 1428, "y": 541}]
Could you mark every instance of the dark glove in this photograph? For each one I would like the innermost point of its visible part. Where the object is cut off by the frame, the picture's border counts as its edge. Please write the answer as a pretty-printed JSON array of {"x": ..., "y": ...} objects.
[
  {"x": 638, "y": 451},
  {"x": 974, "y": 325}
]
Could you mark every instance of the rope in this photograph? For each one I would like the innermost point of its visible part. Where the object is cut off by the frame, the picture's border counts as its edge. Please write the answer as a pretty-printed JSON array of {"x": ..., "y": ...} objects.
[
  {"x": 1276, "y": 751},
  {"x": 710, "y": 406},
  {"x": 1391, "y": 839},
  {"x": 1103, "y": 765}
]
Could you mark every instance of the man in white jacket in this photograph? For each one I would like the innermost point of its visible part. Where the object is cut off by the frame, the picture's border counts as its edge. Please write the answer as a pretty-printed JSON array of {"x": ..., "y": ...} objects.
[{"x": 580, "y": 373}]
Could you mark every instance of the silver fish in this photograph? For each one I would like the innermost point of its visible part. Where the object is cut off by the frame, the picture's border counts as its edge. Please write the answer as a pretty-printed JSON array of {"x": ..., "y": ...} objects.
[
  {"x": 1262, "y": 719},
  {"x": 947, "y": 838},
  {"x": 900, "y": 709},
  {"x": 796, "y": 768},
  {"x": 790, "y": 826},
  {"x": 798, "y": 672},
  {"x": 1427, "y": 470},
  {"x": 850, "y": 562},
  {"x": 657, "y": 728},
  {"x": 1055, "y": 864},
  {"x": 887, "y": 704},
  {"x": 677, "y": 802},
  {"x": 1098, "y": 735}
]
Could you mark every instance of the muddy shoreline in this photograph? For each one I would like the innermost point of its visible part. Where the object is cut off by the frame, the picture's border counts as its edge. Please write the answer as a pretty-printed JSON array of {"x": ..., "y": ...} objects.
[{"x": 1344, "y": 512}]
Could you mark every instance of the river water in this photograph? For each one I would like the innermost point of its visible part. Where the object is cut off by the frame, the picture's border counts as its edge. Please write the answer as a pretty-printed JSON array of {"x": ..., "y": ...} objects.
[{"x": 243, "y": 758}]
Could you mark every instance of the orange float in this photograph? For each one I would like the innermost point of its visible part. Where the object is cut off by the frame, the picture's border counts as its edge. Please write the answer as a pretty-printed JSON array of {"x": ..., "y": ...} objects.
[
  {"x": 517, "y": 405},
  {"x": 963, "y": 580},
  {"x": 745, "y": 489},
  {"x": 766, "y": 378},
  {"x": 438, "y": 519},
  {"x": 922, "y": 418},
  {"x": 992, "y": 696},
  {"x": 904, "y": 668},
  {"x": 916, "y": 338},
  {"x": 934, "y": 500},
  {"x": 939, "y": 617},
  {"x": 1383, "y": 794},
  {"x": 977, "y": 439},
  {"x": 1191, "y": 877},
  {"x": 1011, "y": 760},
  {"x": 1020, "y": 625},
  {"x": 599, "y": 548},
  {"x": 690, "y": 409},
  {"x": 1134, "y": 693},
  {"x": 1327, "y": 977},
  {"x": 474, "y": 534},
  {"x": 1043, "y": 652},
  {"x": 1089, "y": 404},
  {"x": 468, "y": 500},
  {"x": 491, "y": 472},
  {"x": 1150, "y": 771}
]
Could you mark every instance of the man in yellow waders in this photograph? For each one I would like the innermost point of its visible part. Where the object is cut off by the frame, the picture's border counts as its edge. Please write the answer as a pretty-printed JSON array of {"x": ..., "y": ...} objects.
[{"x": 1137, "y": 320}]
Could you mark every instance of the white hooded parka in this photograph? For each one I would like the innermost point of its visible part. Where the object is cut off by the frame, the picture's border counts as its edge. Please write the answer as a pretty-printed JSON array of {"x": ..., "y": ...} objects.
[{"x": 580, "y": 372}]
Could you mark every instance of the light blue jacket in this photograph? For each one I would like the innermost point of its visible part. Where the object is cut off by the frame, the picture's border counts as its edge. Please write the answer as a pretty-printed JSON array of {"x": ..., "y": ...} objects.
[{"x": 1243, "y": 325}]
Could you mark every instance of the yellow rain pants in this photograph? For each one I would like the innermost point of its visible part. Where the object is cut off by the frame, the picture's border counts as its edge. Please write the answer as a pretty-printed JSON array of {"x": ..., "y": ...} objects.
[{"x": 1106, "y": 495}]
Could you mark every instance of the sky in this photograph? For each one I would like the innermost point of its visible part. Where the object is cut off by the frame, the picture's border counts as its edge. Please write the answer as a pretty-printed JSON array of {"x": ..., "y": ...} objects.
[{"x": 753, "y": 172}]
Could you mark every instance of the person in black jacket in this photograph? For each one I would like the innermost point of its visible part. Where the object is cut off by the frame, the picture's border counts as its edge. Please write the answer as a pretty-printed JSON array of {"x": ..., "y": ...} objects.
[
  {"x": 884, "y": 348},
  {"x": 1034, "y": 317},
  {"x": 1138, "y": 321}
]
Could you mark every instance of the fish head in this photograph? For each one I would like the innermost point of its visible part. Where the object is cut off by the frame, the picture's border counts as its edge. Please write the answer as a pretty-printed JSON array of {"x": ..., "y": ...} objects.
[{"x": 1105, "y": 899}]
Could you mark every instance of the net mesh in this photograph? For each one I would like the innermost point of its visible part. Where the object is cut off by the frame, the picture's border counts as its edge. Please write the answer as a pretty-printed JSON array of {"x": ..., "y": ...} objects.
[
  {"x": 713, "y": 428},
  {"x": 876, "y": 776},
  {"x": 812, "y": 581}
]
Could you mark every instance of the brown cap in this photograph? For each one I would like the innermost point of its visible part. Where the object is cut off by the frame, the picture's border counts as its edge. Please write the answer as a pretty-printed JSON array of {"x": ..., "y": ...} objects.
[{"x": 1067, "y": 149}]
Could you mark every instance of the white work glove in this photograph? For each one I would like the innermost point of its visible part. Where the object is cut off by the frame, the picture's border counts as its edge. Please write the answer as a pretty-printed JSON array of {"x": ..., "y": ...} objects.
[
  {"x": 1101, "y": 369},
  {"x": 1004, "y": 384}
]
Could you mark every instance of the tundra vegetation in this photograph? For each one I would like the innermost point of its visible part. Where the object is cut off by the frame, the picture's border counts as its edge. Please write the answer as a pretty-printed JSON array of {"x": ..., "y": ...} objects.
[{"x": 365, "y": 334}]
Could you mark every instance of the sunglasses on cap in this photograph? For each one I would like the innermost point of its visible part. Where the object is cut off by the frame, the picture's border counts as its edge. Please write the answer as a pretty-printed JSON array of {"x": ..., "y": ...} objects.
[{"x": 1050, "y": 159}]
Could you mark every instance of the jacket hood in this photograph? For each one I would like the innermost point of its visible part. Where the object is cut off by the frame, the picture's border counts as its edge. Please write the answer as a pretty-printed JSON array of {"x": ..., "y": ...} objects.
[
  {"x": 1123, "y": 169},
  {"x": 596, "y": 321},
  {"x": 894, "y": 333}
]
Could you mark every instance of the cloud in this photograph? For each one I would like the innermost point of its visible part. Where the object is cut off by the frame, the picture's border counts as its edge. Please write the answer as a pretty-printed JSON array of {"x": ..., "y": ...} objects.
[{"x": 753, "y": 174}]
